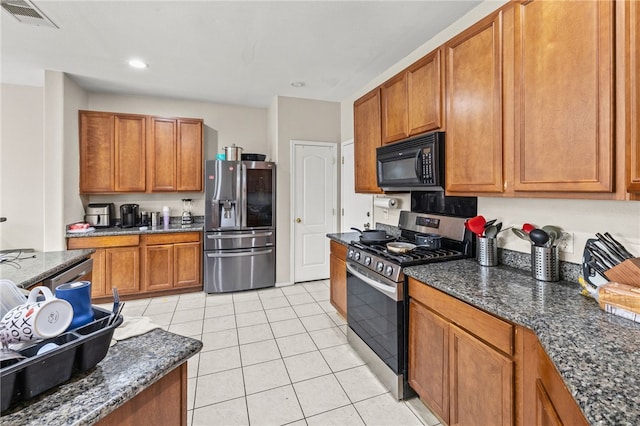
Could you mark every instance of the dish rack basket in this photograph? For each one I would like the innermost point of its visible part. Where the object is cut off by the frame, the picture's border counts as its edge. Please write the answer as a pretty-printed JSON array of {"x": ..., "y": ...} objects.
[{"x": 78, "y": 350}]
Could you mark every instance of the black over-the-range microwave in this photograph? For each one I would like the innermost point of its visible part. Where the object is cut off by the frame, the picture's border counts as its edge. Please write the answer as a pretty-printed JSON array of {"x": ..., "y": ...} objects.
[{"x": 415, "y": 164}]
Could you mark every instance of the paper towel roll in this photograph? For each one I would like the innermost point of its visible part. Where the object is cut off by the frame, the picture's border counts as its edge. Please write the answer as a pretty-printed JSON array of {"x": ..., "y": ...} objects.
[{"x": 386, "y": 202}]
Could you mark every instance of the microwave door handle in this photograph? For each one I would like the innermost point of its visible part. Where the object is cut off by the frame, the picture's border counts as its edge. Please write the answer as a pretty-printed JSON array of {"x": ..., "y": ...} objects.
[{"x": 418, "y": 165}]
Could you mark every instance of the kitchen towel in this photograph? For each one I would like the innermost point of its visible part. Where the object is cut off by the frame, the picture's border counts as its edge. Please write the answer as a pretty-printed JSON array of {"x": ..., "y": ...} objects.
[{"x": 133, "y": 326}]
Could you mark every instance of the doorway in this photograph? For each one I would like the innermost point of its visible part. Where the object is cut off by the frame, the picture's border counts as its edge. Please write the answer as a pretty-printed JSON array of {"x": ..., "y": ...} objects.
[
  {"x": 357, "y": 209},
  {"x": 314, "y": 200}
]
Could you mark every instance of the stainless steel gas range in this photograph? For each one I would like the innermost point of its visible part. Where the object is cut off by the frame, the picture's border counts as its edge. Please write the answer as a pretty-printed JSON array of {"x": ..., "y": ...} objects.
[{"x": 376, "y": 290}]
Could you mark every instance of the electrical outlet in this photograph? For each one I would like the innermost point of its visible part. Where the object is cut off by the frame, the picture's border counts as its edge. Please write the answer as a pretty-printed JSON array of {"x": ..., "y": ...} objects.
[
  {"x": 565, "y": 242},
  {"x": 385, "y": 213}
]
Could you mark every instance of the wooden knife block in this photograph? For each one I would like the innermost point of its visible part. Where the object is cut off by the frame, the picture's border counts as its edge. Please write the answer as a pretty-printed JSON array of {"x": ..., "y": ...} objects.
[{"x": 627, "y": 272}]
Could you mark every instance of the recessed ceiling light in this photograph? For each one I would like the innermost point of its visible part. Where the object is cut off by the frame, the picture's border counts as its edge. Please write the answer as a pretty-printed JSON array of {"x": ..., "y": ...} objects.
[
  {"x": 137, "y": 63},
  {"x": 297, "y": 83}
]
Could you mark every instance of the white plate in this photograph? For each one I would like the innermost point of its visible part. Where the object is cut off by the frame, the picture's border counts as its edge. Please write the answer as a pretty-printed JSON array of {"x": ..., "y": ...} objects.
[{"x": 81, "y": 231}]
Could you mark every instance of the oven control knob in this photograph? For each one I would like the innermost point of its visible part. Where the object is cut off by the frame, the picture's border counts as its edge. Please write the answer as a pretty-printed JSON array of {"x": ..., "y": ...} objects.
[
  {"x": 380, "y": 267},
  {"x": 389, "y": 271},
  {"x": 367, "y": 260},
  {"x": 356, "y": 256},
  {"x": 350, "y": 254}
]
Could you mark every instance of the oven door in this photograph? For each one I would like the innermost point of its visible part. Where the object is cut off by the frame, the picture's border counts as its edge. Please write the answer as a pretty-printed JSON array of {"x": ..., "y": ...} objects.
[{"x": 375, "y": 313}]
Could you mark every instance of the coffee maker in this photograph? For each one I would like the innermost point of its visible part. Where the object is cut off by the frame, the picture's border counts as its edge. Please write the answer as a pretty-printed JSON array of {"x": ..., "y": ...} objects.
[{"x": 128, "y": 215}]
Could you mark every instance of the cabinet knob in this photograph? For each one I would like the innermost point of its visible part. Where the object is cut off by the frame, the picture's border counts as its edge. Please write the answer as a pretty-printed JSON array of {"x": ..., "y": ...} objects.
[{"x": 298, "y": 220}]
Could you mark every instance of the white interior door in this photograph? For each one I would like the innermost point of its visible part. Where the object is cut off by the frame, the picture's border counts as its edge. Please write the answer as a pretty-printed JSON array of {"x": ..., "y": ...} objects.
[
  {"x": 314, "y": 208},
  {"x": 357, "y": 209}
]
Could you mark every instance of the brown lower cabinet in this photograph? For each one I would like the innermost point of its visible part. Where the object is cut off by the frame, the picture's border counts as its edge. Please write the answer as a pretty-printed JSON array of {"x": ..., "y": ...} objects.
[
  {"x": 338, "y": 277},
  {"x": 470, "y": 367},
  {"x": 554, "y": 404},
  {"x": 143, "y": 265},
  {"x": 172, "y": 261},
  {"x": 163, "y": 403},
  {"x": 116, "y": 263}
]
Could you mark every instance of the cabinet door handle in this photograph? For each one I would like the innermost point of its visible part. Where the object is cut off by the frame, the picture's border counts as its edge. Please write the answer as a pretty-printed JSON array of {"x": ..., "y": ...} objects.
[{"x": 298, "y": 220}]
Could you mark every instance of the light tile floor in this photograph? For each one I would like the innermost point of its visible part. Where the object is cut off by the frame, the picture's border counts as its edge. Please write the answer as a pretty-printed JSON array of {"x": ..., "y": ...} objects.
[{"x": 273, "y": 357}]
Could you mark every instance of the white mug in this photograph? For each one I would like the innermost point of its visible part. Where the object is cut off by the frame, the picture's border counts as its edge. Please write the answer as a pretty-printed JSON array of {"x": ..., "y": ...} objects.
[{"x": 36, "y": 320}]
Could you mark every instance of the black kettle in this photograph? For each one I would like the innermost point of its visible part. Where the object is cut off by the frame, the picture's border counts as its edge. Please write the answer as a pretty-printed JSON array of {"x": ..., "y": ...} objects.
[{"x": 128, "y": 215}]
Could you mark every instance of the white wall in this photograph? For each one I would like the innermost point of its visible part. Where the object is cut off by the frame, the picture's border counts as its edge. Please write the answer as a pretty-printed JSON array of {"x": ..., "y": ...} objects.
[
  {"x": 300, "y": 119},
  {"x": 21, "y": 167},
  {"x": 75, "y": 98},
  {"x": 582, "y": 218}
]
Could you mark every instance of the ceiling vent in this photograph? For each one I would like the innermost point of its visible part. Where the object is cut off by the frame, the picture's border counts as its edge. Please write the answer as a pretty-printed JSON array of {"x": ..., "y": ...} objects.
[{"x": 27, "y": 13}]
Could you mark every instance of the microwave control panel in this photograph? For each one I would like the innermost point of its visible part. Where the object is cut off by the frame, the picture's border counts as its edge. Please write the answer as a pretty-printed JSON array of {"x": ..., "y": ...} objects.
[{"x": 427, "y": 165}]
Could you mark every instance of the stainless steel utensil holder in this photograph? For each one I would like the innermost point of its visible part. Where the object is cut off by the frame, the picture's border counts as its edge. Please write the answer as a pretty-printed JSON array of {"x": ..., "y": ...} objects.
[
  {"x": 545, "y": 265},
  {"x": 487, "y": 251}
]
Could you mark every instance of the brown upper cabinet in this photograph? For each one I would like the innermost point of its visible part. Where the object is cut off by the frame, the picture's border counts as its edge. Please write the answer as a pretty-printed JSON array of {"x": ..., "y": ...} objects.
[
  {"x": 564, "y": 94},
  {"x": 474, "y": 108},
  {"x": 112, "y": 152},
  {"x": 366, "y": 120},
  {"x": 175, "y": 155},
  {"x": 411, "y": 102},
  {"x": 138, "y": 153},
  {"x": 541, "y": 99},
  {"x": 631, "y": 21}
]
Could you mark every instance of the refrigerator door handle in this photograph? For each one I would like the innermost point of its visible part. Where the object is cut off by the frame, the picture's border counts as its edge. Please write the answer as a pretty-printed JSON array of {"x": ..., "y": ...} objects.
[
  {"x": 238, "y": 254},
  {"x": 233, "y": 236},
  {"x": 243, "y": 202}
]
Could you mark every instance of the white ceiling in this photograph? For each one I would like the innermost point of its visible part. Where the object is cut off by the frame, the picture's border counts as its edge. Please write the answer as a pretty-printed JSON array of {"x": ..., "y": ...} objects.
[{"x": 228, "y": 52}]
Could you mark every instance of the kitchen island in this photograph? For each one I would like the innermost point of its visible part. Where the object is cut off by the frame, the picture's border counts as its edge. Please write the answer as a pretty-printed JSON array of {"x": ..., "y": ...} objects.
[
  {"x": 595, "y": 352},
  {"x": 33, "y": 267},
  {"x": 143, "y": 374}
]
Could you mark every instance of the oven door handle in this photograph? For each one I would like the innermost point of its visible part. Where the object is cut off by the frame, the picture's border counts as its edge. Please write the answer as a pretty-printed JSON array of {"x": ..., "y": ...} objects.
[{"x": 380, "y": 287}]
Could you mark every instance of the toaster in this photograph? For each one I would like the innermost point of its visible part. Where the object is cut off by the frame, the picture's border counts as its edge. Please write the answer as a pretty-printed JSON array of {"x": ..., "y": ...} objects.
[{"x": 100, "y": 215}]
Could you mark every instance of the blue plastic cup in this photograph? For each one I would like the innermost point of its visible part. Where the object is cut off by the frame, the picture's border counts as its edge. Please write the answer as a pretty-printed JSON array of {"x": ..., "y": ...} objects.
[{"x": 78, "y": 294}]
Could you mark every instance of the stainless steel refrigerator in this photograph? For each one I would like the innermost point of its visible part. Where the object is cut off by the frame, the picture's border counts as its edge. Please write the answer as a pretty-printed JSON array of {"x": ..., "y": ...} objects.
[{"x": 240, "y": 217}]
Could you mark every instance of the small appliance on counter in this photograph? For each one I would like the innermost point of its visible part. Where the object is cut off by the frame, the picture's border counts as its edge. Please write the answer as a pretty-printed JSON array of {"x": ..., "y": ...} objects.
[
  {"x": 100, "y": 215},
  {"x": 187, "y": 205},
  {"x": 128, "y": 215}
]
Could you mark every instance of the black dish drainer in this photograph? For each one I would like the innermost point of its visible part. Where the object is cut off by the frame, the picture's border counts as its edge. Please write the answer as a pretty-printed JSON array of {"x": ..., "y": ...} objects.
[{"x": 78, "y": 350}]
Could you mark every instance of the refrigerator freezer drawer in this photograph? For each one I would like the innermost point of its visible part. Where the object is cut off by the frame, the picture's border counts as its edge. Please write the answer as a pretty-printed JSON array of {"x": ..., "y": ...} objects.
[
  {"x": 235, "y": 270},
  {"x": 239, "y": 239}
]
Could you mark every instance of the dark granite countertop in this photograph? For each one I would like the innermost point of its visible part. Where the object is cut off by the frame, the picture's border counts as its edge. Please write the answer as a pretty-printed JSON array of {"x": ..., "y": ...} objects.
[
  {"x": 33, "y": 267},
  {"x": 116, "y": 230},
  {"x": 130, "y": 366},
  {"x": 596, "y": 353},
  {"x": 344, "y": 237}
]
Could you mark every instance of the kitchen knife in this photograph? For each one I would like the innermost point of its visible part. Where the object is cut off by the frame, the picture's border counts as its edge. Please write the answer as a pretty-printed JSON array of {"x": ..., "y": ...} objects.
[
  {"x": 602, "y": 263},
  {"x": 589, "y": 273},
  {"x": 619, "y": 246},
  {"x": 596, "y": 266},
  {"x": 601, "y": 256},
  {"x": 611, "y": 248}
]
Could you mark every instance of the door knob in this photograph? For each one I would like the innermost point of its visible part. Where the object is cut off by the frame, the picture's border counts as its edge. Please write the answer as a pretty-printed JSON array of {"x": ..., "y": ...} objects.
[{"x": 298, "y": 220}]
